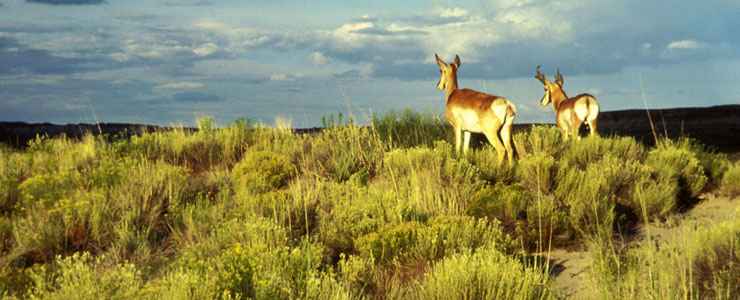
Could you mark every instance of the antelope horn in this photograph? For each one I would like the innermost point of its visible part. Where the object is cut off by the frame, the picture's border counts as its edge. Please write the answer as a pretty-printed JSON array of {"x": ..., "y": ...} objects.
[
  {"x": 540, "y": 76},
  {"x": 559, "y": 77}
]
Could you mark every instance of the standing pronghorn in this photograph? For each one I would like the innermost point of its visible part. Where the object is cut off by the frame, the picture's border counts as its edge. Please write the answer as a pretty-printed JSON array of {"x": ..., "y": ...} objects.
[
  {"x": 472, "y": 111},
  {"x": 570, "y": 113}
]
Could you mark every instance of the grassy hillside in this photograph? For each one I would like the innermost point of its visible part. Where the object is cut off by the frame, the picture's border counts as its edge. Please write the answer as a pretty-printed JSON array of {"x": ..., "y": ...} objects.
[{"x": 387, "y": 211}]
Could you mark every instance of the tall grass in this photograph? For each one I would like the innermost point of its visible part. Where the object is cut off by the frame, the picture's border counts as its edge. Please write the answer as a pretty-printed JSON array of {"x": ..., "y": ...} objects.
[
  {"x": 696, "y": 263},
  {"x": 379, "y": 211},
  {"x": 484, "y": 274}
]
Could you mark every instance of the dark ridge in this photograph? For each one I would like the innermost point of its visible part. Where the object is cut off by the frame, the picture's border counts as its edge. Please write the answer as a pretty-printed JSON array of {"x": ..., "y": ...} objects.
[
  {"x": 19, "y": 134},
  {"x": 716, "y": 126}
]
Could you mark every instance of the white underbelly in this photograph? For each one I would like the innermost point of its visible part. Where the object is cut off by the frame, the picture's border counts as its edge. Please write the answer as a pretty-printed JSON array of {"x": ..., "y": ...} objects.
[{"x": 468, "y": 119}]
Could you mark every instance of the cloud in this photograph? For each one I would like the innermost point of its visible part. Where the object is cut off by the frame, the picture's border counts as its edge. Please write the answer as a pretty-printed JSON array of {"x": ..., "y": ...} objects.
[
  {"x": 206, "y": 49},
  {"x": 685, "y": 44},
  {"x": 195, "y": 97},
  {"x": 67, "y": 2},
  {"x": 189, "y": 3},
  {"x": 16, "y": 58},
  {"x": 318, "y": 58},
  {"x": 506, "y": 39},
  {"x": 284, "y": 77},
  {"x": 454, "y": 12},
  {"x": 183, "y": 85}
]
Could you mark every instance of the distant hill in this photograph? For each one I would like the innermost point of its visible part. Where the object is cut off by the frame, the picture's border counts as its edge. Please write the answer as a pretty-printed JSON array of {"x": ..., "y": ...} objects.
[{"x": 717, "y": 126}]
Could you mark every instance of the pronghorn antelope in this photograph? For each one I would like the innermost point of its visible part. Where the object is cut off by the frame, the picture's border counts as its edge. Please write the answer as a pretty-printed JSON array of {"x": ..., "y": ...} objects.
[
  {"x": 472, "y": 111},
  {"x": 570, "y": 113}
]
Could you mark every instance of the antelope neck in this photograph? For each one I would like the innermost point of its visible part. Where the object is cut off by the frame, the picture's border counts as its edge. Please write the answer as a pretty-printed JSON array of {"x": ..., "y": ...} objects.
[
  {"x": 450, "y": 87},
  {"x": 557, "y": 98}
]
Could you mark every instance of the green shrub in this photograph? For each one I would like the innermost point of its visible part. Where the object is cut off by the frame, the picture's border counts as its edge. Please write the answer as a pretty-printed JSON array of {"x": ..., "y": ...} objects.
[
  {"x": 431, "y": 181},
  {"x": 44, "y": 190},
  {"x": 446, "y": 235},
  {"x": 730, "y": 185},
  {"x": 208, "y": 146},
  {"x": 591, "y": 195},
  {"x": 13, "y": 168},
  {"x": 506, "y": 203},
  {"x": 346, "y": 213},
  {"x": 677, "y": 160},
  {"x": 248, "y": 257},
  {"x": 256, "y": 268},
  {"x": 179, "y": 146},
  {"x": 410, "y": 129},
  {"x": 696, "y": 263},
  {"x": 234, "y": 272},
  {"x": 81, "y": 276},
  {"x": 715, "y": 164},
  {"x": 548, "y": 223},
  {"x": 544, "y": 140},
  {"x": 262, "y": 171},
  {"x": 585, "y": 152},
  {"x": 442, "y": 236},
  {"x": 389, "y": 242},
  {"x": 63, "y": 154},
  {"x": 340, "y": 152},
  {"x": 356, "y": 273},
  {"x": 537, "y": 172},
  {"x": 653, "y": 196},
  {"x": 483, "y": 274},
  {"x": 384, "y": 211},
  {"x": 489, "y": 168},
  {"x": 124, "y": 215}
]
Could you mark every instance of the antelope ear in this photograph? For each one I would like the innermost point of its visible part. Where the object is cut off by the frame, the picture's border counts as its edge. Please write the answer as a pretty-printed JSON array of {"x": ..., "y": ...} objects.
[
  {"x": 440, "y": 62},
  {"x": 457, "y": 60}
]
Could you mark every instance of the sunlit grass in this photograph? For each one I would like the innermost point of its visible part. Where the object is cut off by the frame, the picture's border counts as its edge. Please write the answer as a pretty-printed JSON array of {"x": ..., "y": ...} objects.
[{"x": 386, "y": 210}]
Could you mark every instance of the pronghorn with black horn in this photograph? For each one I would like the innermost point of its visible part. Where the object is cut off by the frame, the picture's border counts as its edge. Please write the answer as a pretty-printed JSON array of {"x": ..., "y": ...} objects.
[
  {"x": 570, "y": 113},
  {"x": 472, "y": 111}
]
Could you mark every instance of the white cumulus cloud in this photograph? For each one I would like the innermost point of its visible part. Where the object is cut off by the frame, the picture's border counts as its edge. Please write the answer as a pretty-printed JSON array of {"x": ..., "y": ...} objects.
[
  {"x": 206, "y": 49},
  {"x": 685, "y": 44}
]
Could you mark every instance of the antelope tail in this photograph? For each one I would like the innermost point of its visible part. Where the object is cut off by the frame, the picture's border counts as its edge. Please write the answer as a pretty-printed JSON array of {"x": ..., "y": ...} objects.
[{"x": 510, "y": 111}]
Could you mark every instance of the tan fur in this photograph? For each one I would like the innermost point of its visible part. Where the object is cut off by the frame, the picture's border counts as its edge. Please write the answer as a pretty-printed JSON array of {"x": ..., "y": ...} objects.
[
  {"x": 570, "y": 113},
  {"x": 472, "y": 111}
]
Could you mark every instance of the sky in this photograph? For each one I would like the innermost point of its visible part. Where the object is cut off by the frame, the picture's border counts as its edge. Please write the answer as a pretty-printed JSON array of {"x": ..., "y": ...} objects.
[{"x": 172, "y": 61}]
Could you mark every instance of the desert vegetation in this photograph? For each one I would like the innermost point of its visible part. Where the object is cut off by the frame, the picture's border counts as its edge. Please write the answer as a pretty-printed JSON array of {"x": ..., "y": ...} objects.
[{"x": 384, "y": 211}]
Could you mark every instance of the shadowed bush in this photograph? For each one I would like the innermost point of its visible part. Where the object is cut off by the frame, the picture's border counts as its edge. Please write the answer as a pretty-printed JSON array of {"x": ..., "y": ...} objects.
[{"x": 13, "y": 170}]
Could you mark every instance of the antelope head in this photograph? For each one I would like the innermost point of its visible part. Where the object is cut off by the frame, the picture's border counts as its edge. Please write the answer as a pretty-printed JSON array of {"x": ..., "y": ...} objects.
[
  {"x": 550, "y": 87},
  {"x": 447, "y": 73}
]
